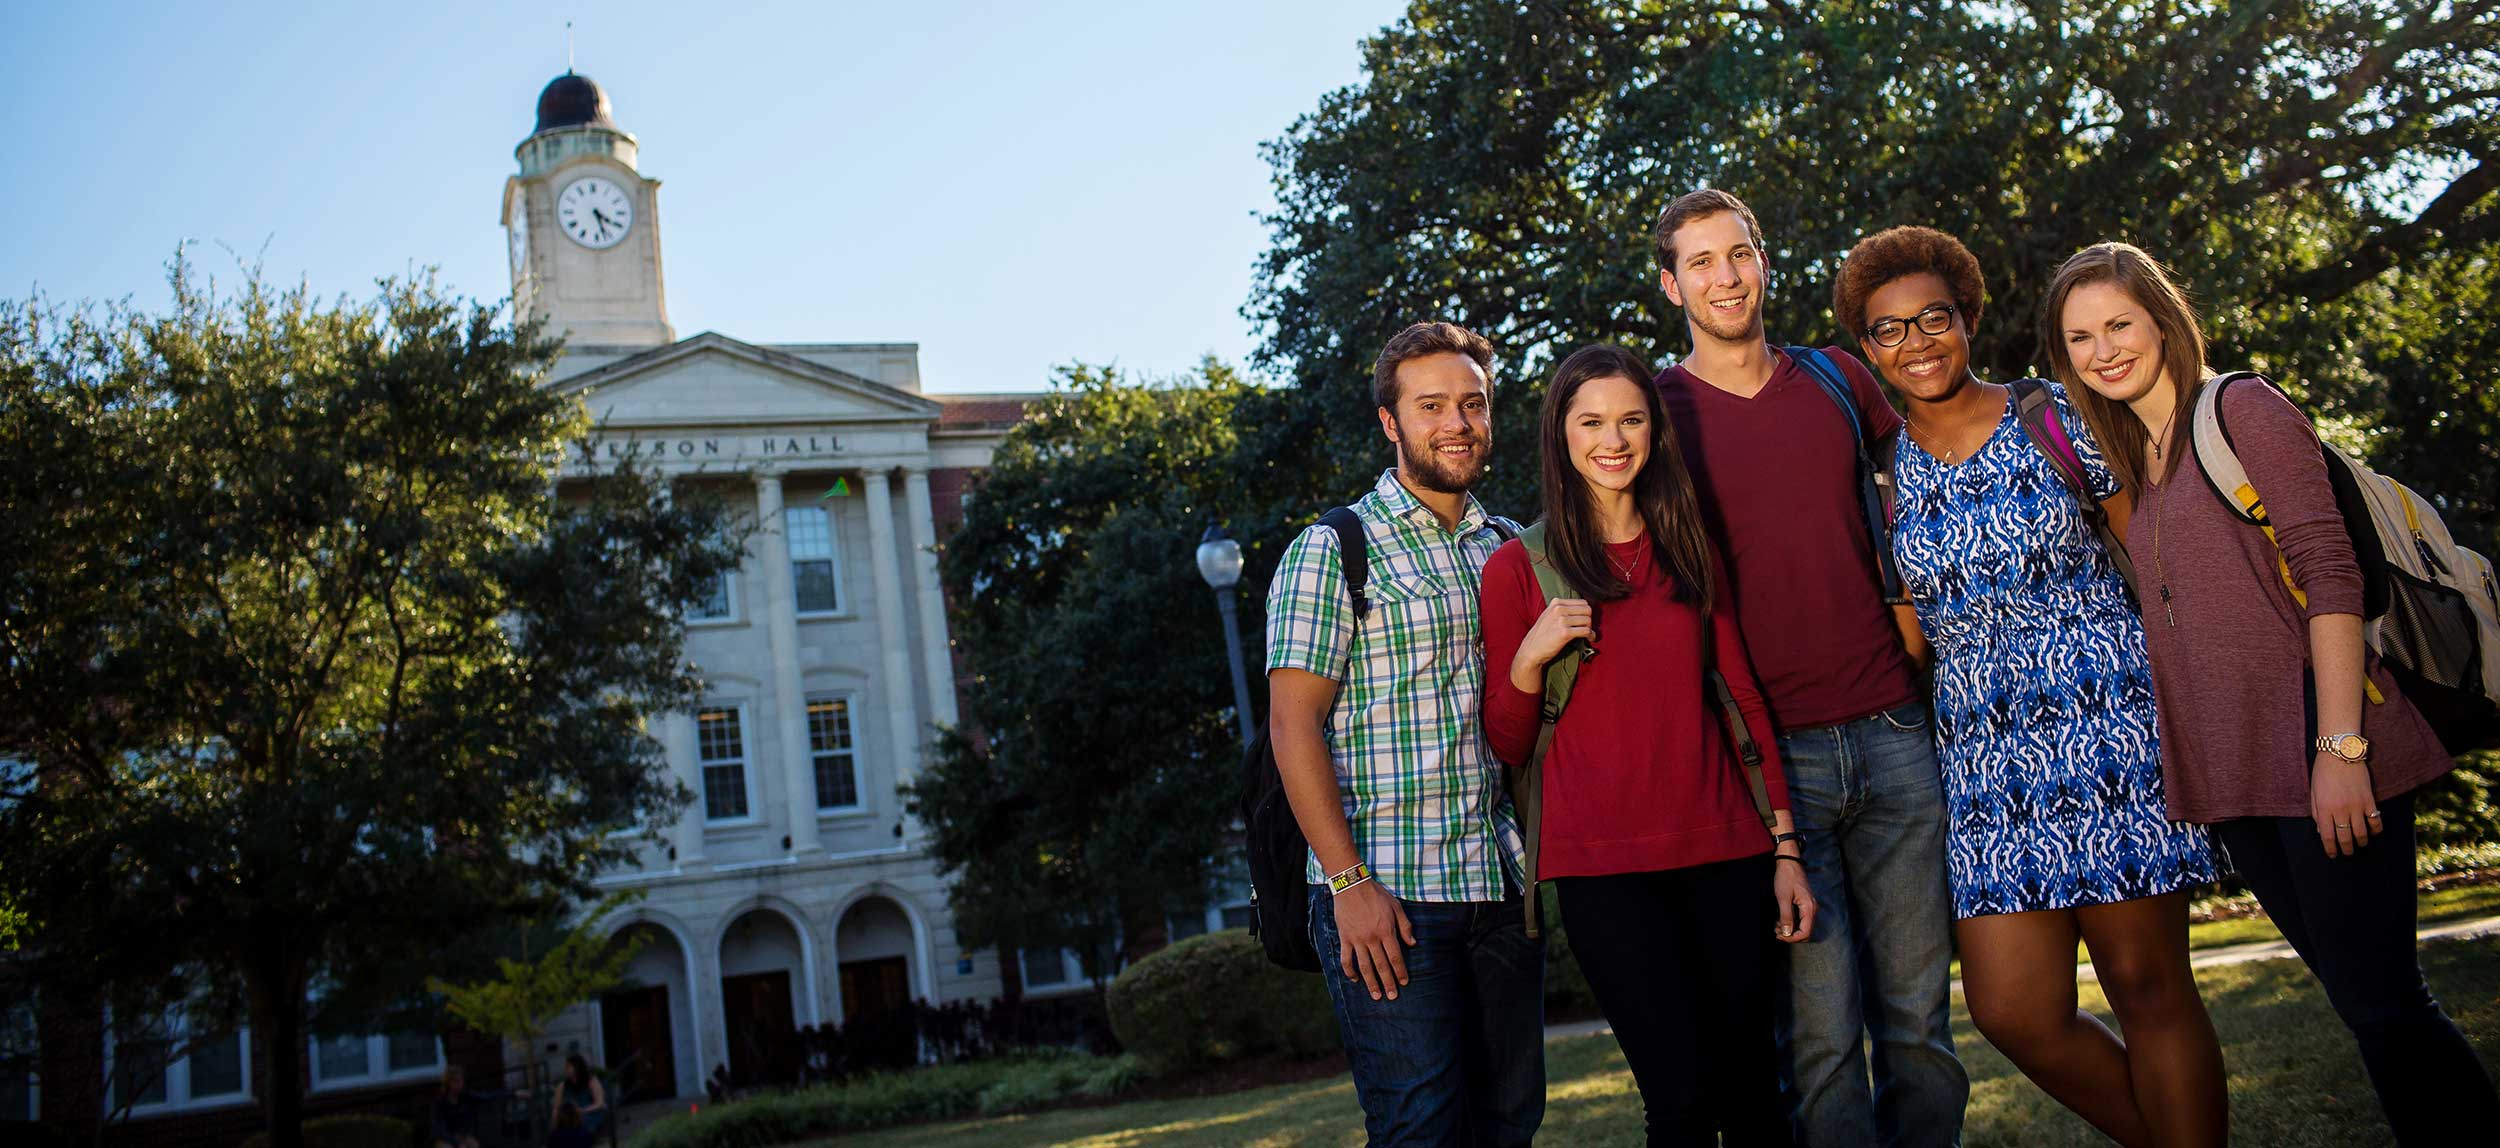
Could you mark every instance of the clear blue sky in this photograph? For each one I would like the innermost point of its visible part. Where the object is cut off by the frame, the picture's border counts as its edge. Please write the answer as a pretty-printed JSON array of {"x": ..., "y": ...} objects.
[{"x": 1012, "y": 186}]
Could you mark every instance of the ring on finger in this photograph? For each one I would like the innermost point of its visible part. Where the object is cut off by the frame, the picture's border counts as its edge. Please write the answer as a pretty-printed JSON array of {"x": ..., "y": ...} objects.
[{"x": 2372, "y": 815}]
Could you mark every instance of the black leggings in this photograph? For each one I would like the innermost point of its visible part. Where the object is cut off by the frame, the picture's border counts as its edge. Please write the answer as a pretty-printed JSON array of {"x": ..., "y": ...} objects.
[
  {"x": 2352, "y": 920},
  {"x": 1684, "y": 964}
]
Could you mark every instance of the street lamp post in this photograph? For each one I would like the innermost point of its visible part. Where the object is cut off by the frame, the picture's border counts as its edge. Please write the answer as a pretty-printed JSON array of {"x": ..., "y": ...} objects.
[{"x": 1219, "y": 562}]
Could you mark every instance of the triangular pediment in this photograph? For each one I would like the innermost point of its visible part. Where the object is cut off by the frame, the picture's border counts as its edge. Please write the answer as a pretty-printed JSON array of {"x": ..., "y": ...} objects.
[{"x": 714, "y": 380}]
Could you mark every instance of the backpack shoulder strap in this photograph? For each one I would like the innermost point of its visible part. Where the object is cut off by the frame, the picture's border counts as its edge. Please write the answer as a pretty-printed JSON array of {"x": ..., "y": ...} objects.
[
  {"x": 1353, "y": 555},
  {"x": 2210, "y": 441},
  {"x": 1565, "y": 668},
  {"x": 1748, "y": 751},
  {"x": 1874, "y": 474},
  {"x": 2035, "y": 406}
]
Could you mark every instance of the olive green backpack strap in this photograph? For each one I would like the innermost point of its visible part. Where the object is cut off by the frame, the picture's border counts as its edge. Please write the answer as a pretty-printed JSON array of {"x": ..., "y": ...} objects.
[
  {"x": 1748, "y": 751},
  {"x": 1526, "y": 782}
]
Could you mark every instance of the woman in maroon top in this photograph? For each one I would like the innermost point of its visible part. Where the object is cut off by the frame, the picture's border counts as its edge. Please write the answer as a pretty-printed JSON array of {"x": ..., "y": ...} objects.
[
  {"x": 1672, "y": 889},
  {"x": 2265, "y": 732}
]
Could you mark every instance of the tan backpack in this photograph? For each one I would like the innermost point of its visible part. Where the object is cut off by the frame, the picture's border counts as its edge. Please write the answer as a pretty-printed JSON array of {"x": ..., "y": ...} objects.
[{"x": 2432, "y": 607}]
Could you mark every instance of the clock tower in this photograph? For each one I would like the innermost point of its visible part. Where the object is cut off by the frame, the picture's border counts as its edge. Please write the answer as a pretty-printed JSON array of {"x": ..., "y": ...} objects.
[{"x": 585, "y": 225}]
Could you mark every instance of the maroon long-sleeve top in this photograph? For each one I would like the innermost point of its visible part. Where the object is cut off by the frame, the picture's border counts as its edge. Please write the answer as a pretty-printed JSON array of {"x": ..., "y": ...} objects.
[
  {"x": 1641, "y": 776},
  {"x": 2232, "y": 674}
]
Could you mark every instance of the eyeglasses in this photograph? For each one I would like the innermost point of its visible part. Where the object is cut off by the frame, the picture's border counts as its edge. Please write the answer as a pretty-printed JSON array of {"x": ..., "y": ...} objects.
[{"x": 1935, "y": 319}]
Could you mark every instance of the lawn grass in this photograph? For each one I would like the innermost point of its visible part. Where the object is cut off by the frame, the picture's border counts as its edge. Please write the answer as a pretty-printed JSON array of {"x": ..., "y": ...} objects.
[
  {"x": 2456, "y": 903},
  {"x": 2295, "y": 1082}
]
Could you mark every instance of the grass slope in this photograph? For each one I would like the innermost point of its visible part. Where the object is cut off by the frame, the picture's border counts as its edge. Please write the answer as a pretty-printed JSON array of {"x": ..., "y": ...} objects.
[{"x": 2295, "y": 1082}]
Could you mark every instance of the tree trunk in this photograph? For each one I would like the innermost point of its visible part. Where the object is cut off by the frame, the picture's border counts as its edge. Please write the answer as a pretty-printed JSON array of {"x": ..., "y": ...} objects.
[{"x": 277, "y": 974}]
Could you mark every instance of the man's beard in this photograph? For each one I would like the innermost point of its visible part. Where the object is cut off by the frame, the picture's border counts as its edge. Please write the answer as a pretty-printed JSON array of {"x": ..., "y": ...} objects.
[
  {"x": 1717, "y": 326},
  {"x": 1430, "y": 469}
]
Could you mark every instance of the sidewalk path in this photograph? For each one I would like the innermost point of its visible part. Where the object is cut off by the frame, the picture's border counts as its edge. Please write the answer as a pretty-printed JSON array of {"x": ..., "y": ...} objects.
[{"x": 2223, "y": 955}]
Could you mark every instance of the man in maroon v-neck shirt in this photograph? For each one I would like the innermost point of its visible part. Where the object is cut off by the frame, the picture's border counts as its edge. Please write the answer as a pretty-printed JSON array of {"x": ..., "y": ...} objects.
[{"x": 1777, "y": 471}]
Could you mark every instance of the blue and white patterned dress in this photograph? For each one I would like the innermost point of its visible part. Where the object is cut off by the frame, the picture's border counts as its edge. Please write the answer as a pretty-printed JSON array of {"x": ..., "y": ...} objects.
[{"x": 2044, "y": 698}]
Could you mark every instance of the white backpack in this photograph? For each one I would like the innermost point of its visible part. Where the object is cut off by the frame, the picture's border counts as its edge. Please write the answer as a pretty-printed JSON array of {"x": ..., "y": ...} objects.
[{"x": 2433, "y": 608}]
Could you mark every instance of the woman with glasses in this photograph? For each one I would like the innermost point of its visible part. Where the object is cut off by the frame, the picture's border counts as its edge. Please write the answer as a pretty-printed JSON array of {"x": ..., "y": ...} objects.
[{"x": 2045, "y": 724}]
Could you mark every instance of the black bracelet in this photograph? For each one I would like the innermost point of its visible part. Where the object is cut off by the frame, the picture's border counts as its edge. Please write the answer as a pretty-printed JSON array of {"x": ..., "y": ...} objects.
[
  {"x": 1778, "y": 856},
  {"x": 1780, "y": 838}
]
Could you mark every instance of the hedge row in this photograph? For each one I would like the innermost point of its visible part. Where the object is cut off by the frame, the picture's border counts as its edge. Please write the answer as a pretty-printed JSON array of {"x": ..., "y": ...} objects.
[
  {"x": 1214, "y": 998},
  {"x": 936, "y": 1092}
]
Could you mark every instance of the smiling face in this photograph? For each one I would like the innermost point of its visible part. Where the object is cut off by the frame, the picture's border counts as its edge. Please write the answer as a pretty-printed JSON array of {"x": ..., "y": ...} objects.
[
  {"x": 1925, "y": 367},
  {"x": 1717, "y": 278},
  {"x": 1607, "y": 432},
  {"x": 2110, "y": 341},
  {"x": 1443, "y": 422}
]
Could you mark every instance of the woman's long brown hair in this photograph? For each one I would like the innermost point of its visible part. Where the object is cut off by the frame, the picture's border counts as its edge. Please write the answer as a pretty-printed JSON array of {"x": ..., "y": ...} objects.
[
  {"x": 1662, "y": 493},
  {"x": 2142, "y": 277}
]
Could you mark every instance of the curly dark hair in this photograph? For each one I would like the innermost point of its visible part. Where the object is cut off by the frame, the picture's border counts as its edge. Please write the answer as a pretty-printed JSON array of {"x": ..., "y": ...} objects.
[{"x": 1896, "y": 253}]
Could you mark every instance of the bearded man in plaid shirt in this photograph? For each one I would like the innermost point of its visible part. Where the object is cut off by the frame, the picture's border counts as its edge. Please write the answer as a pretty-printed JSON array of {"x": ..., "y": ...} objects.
[{"x": 1415, "y": 866}]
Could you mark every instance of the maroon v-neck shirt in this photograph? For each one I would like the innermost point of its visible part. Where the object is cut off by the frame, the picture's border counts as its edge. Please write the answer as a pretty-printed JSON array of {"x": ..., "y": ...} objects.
[{"x": 1778, "y": 481}]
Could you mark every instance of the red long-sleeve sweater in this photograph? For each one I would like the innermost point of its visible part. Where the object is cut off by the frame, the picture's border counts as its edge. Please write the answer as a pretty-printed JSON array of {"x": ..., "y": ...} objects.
[{"x": 1641, "y": 776}]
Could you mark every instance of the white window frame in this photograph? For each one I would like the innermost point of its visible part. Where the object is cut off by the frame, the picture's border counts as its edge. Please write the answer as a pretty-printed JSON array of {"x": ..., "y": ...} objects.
[
  {"x": 177, "y": 1080},
  {"x": 1070, "y": 975},
  {"x": 729, "y": 591},
  {"x": 833, "y": 544},
  {"x": 746, "y": 760},
  {"x": 378, "y": 1068},
  {"x": 859, "y": 787}
]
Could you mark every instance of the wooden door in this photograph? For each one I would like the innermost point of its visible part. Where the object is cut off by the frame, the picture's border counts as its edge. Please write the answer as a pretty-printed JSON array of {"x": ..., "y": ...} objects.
[
  {"x": 638, "y": 1038},
  {"x": 758, "y": 1025}
]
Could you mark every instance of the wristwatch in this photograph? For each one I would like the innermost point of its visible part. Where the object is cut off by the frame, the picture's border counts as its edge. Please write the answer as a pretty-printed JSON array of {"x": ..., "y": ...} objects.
[{"x": 2351, "y": 747}]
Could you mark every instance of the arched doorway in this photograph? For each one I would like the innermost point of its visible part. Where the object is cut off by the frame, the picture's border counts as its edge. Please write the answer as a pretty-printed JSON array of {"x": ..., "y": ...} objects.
[
  {"x": 762, "y": 967},
  {"x": 640, "y": 1022},
  {"x": 874, "y": 942}
]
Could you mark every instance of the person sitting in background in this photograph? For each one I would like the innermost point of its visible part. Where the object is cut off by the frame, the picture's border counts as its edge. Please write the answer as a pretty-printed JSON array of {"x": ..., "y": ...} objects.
[
  {"x": 569, "y": 1131},
  {"x": 455, "y": 1109},
  {"x": 580, "y": 1090}
]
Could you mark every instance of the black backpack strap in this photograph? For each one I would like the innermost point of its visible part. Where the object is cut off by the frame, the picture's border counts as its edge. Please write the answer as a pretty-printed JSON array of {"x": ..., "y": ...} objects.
[
  {"x": 2036, "y": 407},
  {"x": 1353, "y": 555},
  {"x": 1874, "y": 476}
]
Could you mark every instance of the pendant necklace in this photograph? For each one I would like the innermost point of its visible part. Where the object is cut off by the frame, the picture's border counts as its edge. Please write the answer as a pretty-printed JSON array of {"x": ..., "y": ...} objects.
[
  {"x": 2161, "y": 571},
  {"x": 1622, "y": 570}
]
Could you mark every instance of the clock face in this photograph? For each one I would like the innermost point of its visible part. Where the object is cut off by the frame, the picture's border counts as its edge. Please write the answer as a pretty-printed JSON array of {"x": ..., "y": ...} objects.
[{"x": 594, "y": 212}]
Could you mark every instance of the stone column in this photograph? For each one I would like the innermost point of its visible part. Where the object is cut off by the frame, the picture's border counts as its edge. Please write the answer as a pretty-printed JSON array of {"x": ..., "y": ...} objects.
[
  {"x": 936, "y": 666},
  {"x": 897, "y": 683},
  {"x": 789, "y": 702},
  {"x": 677, "y": 740}
]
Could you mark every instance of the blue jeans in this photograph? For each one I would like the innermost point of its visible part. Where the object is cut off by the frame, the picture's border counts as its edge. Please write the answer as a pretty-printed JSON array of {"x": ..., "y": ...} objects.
[
  {"x": 1458, "y": 1059},
  {"x": 1869, "y": 804}
]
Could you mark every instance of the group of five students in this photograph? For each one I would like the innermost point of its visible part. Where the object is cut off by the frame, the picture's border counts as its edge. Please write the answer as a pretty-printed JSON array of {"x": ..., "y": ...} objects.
[{"x": 2081, "y": 759}]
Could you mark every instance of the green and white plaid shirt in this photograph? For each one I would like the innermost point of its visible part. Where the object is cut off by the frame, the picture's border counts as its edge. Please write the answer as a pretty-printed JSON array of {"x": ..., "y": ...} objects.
[{"x": 1422, "y": 791}]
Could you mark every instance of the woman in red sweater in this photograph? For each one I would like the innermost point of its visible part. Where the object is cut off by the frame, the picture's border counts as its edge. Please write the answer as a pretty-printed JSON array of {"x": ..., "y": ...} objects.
[
  {"x": 2278, "y": 727},
  {"x": 1672, "y": 888}
]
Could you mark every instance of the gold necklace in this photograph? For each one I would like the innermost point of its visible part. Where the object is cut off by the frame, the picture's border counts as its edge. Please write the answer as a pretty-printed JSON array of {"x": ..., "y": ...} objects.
[{"x": 1622, "y": 570}]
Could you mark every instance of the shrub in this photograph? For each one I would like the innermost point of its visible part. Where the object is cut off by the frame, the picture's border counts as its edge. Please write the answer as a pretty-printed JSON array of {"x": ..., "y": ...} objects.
[
  {"x": 349, "y": 1130},
  {"x": 1214, "y": 998},
  {"x": 936, "y": 1092}
]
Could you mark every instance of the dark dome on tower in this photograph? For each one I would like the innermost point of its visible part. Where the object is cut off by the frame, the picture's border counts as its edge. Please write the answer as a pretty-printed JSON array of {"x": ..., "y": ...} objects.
[{"x": 571, "y": 100}]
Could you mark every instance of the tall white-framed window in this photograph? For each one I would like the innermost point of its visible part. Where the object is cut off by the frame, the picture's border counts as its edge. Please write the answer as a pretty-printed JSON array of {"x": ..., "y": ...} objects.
[
  {"x": 377, "y": 1058},
  {"x": 720, "y": 745},
  {"x": 162, "y": 1067},
  {"x": 833, "y": 750},
  {"x": 719, "y": 602},
  {"x": 815, "y": 559}
]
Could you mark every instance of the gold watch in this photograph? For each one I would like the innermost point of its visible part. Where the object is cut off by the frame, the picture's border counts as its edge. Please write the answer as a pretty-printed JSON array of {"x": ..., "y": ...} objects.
[{"x": 2351, "y": 747}]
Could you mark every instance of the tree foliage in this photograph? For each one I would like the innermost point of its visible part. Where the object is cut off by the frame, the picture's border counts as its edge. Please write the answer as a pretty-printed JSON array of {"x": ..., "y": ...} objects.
[
  {"x": 1090, "y": 802},
  {"x": 2322, "y": 173},
  {"x": 527, "y": 993},
  {"x": 303, "y": 671}
]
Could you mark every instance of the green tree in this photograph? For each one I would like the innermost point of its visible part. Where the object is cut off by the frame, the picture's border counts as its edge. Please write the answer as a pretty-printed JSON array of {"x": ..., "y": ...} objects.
[
  {"x": 2323, "y": 173},
  {"x": 304, "y": 671},
  {"x": 526, "y": 993},
  {"x": 1087, "y": 794}
]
